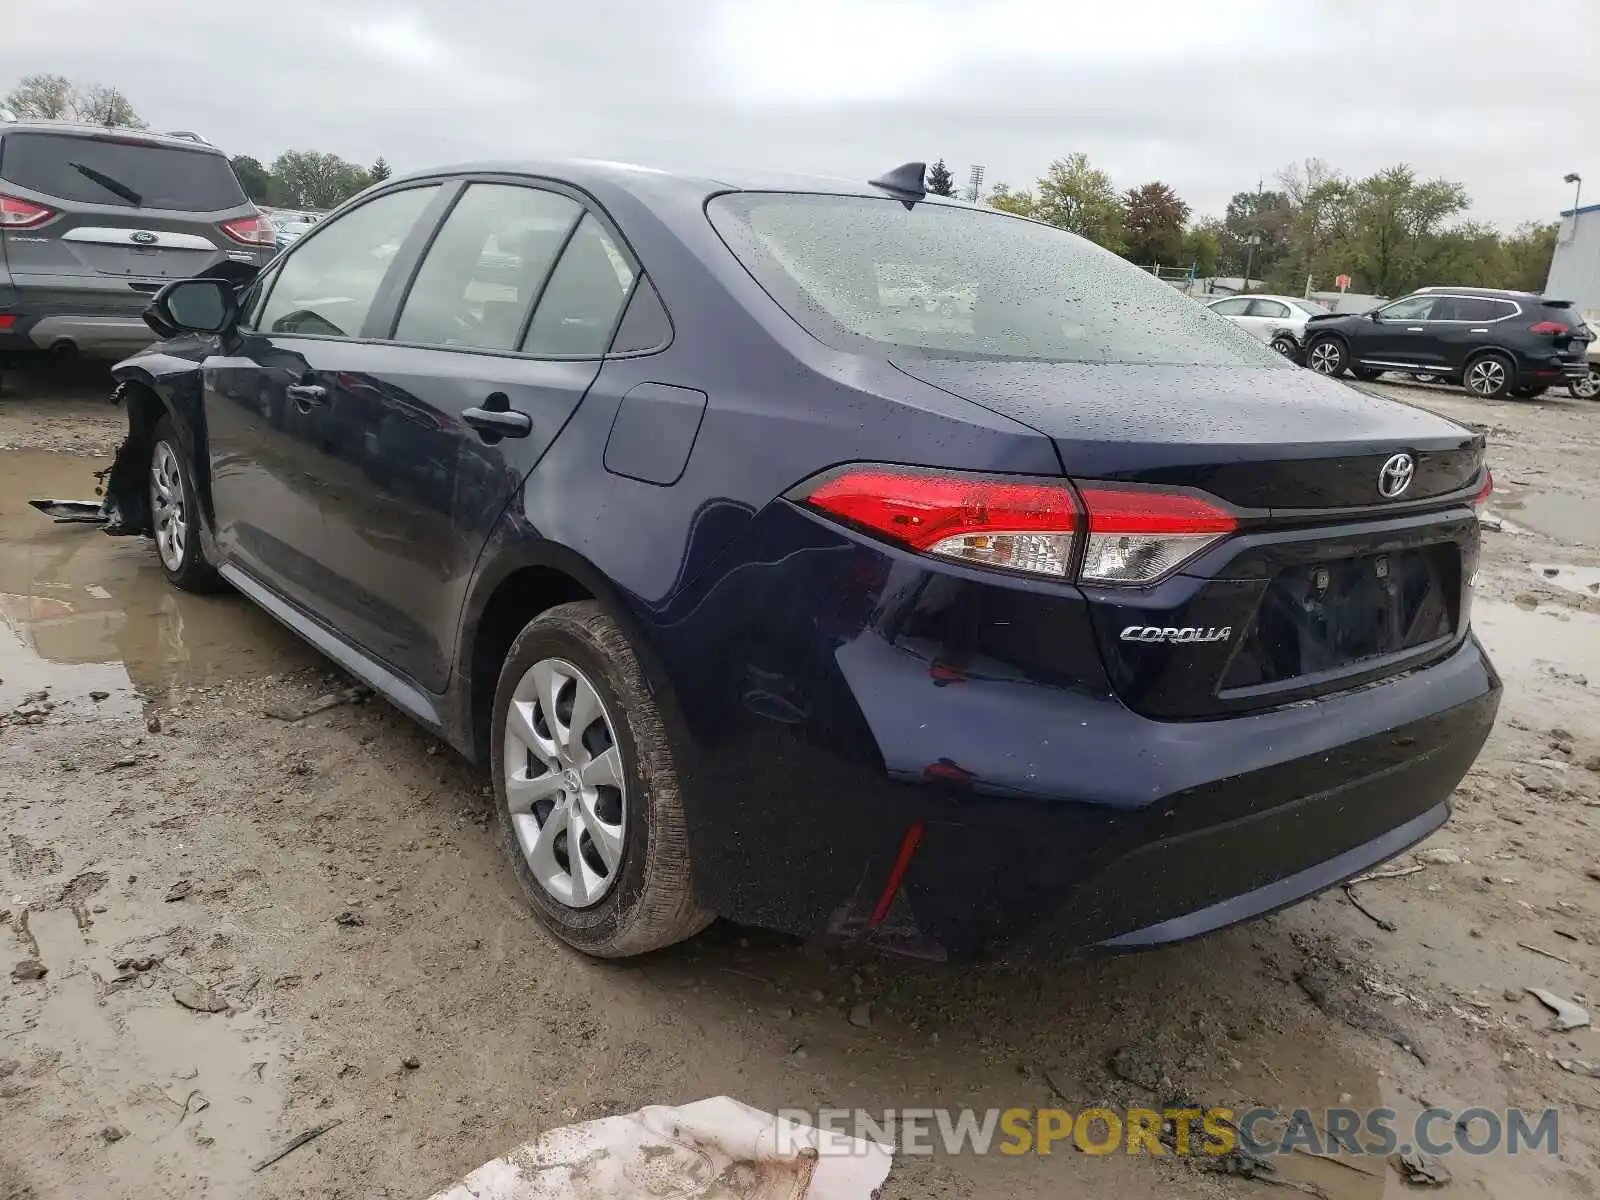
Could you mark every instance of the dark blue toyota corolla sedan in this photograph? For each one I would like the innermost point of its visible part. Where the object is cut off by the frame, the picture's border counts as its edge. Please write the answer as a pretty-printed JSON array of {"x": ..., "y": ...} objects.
[{"x": 829, "y": 557}]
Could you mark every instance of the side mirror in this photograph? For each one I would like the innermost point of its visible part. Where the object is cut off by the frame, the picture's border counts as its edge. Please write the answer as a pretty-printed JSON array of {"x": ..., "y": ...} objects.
[
  {"x": 1375, "y": 315},
  {"x": 195, "y": 306}
]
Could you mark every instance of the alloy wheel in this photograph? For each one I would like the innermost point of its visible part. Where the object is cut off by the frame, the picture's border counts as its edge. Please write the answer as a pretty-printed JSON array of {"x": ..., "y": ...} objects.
[
  {"x": 1588, "y": 387},
  {"x": 1487, "y": 378},
  {"x": 166, "y": 498},
  {"x": 1284, "y": 347},
  {"x": 565, "y": 790},
  {"x": 1325, "y": 358}
]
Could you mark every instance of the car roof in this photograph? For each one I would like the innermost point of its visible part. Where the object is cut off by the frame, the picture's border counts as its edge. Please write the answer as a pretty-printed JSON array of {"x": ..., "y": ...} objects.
[
  {"x": 114, "y": 132},
  {"x": 590, "y": 173}
]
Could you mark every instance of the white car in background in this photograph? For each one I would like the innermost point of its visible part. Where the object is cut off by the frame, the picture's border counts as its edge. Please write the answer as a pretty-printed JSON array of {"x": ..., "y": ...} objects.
[{"x": 1280, "y": 321}]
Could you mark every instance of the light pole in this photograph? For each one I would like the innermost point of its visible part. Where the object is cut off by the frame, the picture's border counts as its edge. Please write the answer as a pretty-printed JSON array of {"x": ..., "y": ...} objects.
[
  {"x": 1252, "y": 242},
  {"x": 1576, "y": 181}
]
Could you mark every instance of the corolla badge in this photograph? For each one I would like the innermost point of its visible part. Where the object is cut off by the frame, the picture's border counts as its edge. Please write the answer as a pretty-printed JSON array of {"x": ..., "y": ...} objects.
[
  {"x": 1394, "y": 476},
  {"x": 143, "y": 238},
  {"x": 1183, "y": 635}
]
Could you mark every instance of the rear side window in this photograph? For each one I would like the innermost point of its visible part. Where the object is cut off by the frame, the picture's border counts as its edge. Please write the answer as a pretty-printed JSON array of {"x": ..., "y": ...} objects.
[
  {"x": 866, "y": 274},
  {"x": 92, "y": 170},
  {"x": 1473, "y": 308},
  {"x": 1268, "y": 308},
  {"x": 645, "y": 325},
  {"x": 328, "y": 281},
  {"x": 486, "y": 266},
  {"x": 579, "y": 309}
]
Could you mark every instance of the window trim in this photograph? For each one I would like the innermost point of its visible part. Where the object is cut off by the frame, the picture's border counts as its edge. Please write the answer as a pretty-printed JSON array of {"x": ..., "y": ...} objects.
[{"x": 378, "y": 296}]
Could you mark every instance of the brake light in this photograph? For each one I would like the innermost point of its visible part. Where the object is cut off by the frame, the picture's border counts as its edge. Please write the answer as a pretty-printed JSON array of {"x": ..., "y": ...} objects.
[
  {"x": 22, "y": 214},
  {"x": 1137, "y": 536},
  {"x": 1547, "y": 327},
  {"x": 1018, "y": 524},
  {"x": 1132, "y": 535},
  {"x": 255, "y": 230},
  {"x": 1481, "y": 500}
]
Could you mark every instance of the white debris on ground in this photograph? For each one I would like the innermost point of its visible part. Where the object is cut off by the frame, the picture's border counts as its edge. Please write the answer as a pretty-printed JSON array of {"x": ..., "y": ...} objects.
[{"x": 716, "y": 1147}]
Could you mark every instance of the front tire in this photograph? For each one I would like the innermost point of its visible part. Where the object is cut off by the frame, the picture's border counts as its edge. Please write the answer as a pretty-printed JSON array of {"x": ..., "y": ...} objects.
[
  {"x": 175, "y": 516},
  {"x": 1489, "y": 376},
  {"x": 1532, "y": 392},
  {"x": 1588, "y": 387},
  {"x": 1327, "y": 356},
  {"x": 586, "y": 788}
]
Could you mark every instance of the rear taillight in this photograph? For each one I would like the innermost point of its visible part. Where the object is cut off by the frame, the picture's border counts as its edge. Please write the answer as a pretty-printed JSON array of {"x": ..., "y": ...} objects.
[
  {"x": 8, "y": 322},
  {"x": 1132, "y": 535},
  {"x": 1018, "y": 524},
  {"x": 1549, "y": 327},
  {"x": 252, "y": 231},
  {"x": 22, "y": 214},
  {"x": 1137, "y": 535},
  {"x": 1481, "y": 500}
]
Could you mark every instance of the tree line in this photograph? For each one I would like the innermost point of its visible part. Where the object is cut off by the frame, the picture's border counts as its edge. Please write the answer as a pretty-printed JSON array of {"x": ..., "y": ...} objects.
[
  {"x": 1390, "y": 231},
  {"x": 307, "y": 179}
]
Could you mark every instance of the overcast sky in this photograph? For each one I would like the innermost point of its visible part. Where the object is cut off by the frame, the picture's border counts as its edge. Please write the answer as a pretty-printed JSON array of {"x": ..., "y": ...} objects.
[{"x": 1210, "y": 97}]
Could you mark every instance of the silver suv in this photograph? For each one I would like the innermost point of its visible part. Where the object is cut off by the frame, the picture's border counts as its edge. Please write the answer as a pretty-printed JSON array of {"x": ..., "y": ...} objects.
[{"x": 94, "y": 220}]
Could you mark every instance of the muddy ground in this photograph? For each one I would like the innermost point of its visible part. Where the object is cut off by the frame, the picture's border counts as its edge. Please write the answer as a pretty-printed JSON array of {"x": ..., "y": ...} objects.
[{"x": 334, "y": 888}]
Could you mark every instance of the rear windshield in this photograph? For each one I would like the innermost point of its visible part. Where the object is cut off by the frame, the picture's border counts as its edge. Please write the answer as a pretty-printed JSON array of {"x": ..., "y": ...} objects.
[
  {"x": 862, "y": 273},
  {"x": 88, "y": 170},
  {"x": 1311, "y": 307}
]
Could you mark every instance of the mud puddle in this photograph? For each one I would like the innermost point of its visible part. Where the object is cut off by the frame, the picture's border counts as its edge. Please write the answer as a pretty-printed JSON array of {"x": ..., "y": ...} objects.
[
  {"x": 1550, "y": 640},
  {"x": 92, "y": 620},
  {"x": 1580, "y": 581},
  {"x": 1559, "y": 515}
]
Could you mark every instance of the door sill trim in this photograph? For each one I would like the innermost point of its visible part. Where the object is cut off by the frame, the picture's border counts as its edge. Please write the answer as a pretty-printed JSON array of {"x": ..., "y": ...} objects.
[{"x": 405, "y": 696}]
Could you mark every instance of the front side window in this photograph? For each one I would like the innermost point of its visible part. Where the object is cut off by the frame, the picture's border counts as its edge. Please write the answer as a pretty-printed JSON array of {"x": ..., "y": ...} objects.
[
  {"x": 867, "y": 274},
  {"x": 1231, "y": 308},
  {"x": 1412, "y": 308},
  {"x": 486, "y": 266},
  {"x": 328, "y": 281},
  {"x": 578, "y": 311}
]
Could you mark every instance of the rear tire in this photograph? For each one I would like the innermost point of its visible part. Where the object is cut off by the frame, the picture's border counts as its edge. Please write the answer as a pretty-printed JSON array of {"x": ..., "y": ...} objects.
[
  {"x": 1426, "y": 378},
  {"x": 1532, "y": 392},
  {"x": 1327, "y": 356},
  {"x": 1489, "y": 376},
  {"x": 1287, "y": 347},
  {"x": 592, "y": 818},
  {"x": 175, "y": 516},
  {"x": 1588, "y": 387}
]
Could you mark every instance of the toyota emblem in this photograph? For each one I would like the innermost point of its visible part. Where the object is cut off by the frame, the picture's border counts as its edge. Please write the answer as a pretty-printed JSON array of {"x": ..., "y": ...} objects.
[
  {"x": 1394, "y": 477},
  {"x": 144, "y": 238}
]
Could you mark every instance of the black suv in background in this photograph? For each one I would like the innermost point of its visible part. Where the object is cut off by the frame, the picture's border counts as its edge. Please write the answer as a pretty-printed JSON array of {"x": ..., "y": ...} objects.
[
  {"x": 93, "y": 221},
  {"x": 1495, "y": 343}
]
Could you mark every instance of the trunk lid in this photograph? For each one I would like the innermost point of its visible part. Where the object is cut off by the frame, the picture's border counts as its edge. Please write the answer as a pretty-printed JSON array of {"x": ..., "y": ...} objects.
[{"x": 1325, "y": 585}]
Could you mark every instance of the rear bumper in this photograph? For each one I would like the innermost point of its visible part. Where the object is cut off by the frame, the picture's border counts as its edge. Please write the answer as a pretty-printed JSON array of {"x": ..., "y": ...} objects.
[
  {"x": 100, "y": 317},
  {"x": 850, "y": 708}
]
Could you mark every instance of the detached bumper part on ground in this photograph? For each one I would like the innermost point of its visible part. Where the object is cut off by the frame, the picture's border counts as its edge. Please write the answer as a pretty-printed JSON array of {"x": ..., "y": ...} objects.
[{"x": 711, "y": 1147}]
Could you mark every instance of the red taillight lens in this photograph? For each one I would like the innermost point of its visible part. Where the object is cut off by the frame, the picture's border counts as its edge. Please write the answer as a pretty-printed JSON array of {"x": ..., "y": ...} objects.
[
  {"x": 1548, "y": 327},
  {"x": 252, "y": 231},
  {"x": 7, "y": 322},
  {"x": 1134, "y": 535},
  {"x": 1138, "y": 536},
  {"x": 1017, "y": 524},
  {"x": 1481, "y": 500},
  {"x": 22, "y": 214}
]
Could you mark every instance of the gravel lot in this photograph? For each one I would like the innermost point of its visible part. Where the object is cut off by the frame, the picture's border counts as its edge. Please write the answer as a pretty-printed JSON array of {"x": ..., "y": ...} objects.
[{"x": 333, "y": 888}]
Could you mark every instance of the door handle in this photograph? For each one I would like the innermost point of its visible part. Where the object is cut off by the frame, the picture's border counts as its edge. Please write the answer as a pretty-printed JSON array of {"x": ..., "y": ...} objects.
[
  {"x": 493, "y": 424},
  {"x": 307, "y": 394},
  {"x": 1415, "y": 329}
]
